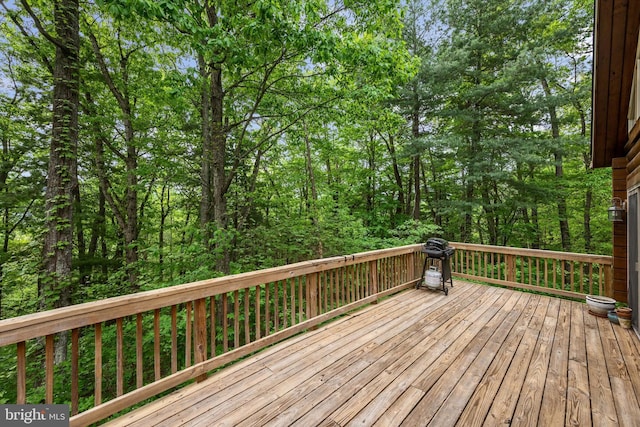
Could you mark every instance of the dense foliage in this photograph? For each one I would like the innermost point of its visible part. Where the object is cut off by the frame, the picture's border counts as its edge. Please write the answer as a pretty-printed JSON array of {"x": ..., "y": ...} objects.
[{"x": 226, "y": 136}]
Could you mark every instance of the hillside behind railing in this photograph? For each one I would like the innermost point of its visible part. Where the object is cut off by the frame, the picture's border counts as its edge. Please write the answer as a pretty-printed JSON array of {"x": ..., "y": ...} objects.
[{"x": 125, "y": 350}]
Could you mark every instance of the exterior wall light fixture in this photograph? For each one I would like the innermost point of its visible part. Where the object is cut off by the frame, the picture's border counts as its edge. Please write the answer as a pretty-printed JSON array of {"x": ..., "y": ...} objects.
[{"x": 617, "y": 209}]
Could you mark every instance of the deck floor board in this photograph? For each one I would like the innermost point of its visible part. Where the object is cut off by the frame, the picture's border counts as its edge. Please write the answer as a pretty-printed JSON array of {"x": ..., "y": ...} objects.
[{"x": 479, "y": 356}]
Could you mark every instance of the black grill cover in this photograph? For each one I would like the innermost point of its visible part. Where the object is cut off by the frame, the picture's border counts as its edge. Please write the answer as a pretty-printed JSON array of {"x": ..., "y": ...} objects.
[
  {"x": 438, "y": 253},
  {"x": 436, "y": 243}
]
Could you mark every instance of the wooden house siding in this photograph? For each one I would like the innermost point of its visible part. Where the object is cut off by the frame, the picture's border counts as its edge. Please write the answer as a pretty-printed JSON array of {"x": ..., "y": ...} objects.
[{"x": 617, "y": 25}]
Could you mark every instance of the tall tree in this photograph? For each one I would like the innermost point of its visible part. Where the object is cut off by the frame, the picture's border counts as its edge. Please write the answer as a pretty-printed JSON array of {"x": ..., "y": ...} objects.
[{"x": 56, "y": 281}]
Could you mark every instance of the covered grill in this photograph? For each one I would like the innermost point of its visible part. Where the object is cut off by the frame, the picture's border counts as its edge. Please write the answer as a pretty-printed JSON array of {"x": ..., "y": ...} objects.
[{"x": 436, "y": 270}]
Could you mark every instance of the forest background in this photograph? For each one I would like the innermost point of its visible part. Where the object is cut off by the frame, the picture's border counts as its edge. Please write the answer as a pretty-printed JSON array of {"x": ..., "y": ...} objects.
[{"x": 149, "y": 143}]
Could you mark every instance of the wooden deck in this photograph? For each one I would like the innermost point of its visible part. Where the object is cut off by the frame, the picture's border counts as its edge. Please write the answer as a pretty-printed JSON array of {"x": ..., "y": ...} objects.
[{"x": 480, "y": 356}]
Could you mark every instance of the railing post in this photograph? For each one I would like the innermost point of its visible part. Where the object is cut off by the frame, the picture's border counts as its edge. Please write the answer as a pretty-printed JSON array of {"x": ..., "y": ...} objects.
[
  {"x": 511, "y": 268},
  {"x": 412, "y": 266},
  {"x": 312, "y": 295},
  {"x": 608, "y": 281},
  {"x": 200, "y": 334}
]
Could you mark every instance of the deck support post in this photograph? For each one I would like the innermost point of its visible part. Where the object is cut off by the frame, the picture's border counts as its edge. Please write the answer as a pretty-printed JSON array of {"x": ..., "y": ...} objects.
[
  {"x": 200, "y": 334},
  {"x": 312, "y": 295},
  {"x": 511, "y": 268}
]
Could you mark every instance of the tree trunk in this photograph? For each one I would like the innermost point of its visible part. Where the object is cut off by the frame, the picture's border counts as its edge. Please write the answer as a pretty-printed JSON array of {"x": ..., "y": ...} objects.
[
  {"x": 396, "y": 175},
  {"x": 164, "y": 213},
  {"x": 4, "y": 175},
  {"x": 84, "y": 267},
  {"x": 588, "y": 198},
  {"x": 56, "y": 279},
  {"x": 5, "y": 251},
  {"x": 206, "y": 197},
  {"x": 415, "y": 130},
  {"x": 557, "y": 154},
  {"x": 127, "y": 214},
  {"x": 215, "y": 182},
  {"x": 490, "y": 215},
  {"x": 313, "y": 211},
  {"x": 537, "y": 244},
  {"x": 98, "y": 229},
  {"x": 220, "y": 185}
]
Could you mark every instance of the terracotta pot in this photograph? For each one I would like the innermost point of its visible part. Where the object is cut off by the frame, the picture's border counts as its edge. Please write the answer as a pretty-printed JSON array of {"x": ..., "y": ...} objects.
[{"x": 624, "y": 312}]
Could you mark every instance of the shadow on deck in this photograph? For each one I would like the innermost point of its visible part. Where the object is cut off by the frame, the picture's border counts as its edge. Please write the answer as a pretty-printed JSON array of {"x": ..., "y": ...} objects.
[{"x": 480, "y": 356}]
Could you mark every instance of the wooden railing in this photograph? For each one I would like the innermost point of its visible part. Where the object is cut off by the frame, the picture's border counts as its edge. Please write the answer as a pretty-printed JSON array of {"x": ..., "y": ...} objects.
[
  {"x": 140, "y": 345},
  {"x": 558, "y": 273}
]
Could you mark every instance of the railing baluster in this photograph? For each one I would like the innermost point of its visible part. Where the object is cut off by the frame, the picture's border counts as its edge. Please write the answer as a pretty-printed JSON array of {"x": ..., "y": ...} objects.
[
  {"x": 326, "y": 291},
  {"x": 285, "y": 301},
  {"x": 276, "y": 306},
  {"x": 49, "y": 355},
  {"x": 75, "y": 356},
  {"x": 174, "y": 339},
  {"x": 267, "y": 309},
  {"x": 256, "y": 308},
  {"x": 119, "y": 357},
  {"x": 49, "y": 350},
  {"x": 300, "y": 301},
  {"x": 139, "y": 352},
  {"x": 521, "y": 267},
  {"x": 355, "y": 280},
  {"x": 21, "y": 368},
  {"x": 236, "y": 318},
  {"x": 97, "y": 367},
  {"x": 188, "y": 335},
  {"x": 351, "y": 282},
  {"x": 156, "y": 344},
  {"x": 493, "y": 265},
  {"x": 572, "y": 272},
  {"x": 212, "y": 325},
  {"x": 247, "y": 330},
  {"x": 546, "y": 272},
  {"x": 293, "y": 301},
  {"x": 225, "y": 323},
  {"x": 473, "y": 263}
]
